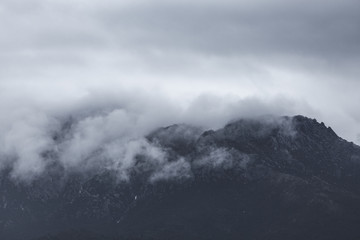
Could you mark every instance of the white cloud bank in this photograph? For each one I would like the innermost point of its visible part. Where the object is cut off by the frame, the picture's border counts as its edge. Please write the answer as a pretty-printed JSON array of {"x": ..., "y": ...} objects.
[
  {"x": 109, "y": 132},
  {"x": 155, "y": 63}
]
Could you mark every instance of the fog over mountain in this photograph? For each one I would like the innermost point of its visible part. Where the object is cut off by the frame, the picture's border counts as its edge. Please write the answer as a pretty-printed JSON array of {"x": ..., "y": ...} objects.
[
  {"x": 301, "y": 56},
  {"x": 108, "y": 132},
  {"x": 255, "y": 178},
  {"x": 178, "y": 119}
]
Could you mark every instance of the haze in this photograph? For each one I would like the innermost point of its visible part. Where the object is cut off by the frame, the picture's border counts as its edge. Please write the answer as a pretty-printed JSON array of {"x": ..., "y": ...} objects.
[{"x": 147, "y": 64}]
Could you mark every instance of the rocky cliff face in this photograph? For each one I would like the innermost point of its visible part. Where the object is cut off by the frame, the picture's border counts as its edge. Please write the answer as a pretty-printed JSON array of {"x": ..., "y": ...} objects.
[{"x": 269, "y": 178}]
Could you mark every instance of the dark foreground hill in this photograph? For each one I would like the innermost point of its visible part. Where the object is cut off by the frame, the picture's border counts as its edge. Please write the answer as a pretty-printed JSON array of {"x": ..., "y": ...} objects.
[{"x": 277, "y": 178}]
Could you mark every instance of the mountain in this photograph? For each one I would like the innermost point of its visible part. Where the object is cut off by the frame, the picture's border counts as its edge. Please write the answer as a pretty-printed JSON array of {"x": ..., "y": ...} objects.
[{"x": 265, "y": 178}]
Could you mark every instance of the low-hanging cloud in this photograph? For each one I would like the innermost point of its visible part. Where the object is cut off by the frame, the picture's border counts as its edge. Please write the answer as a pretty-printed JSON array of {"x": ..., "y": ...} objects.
[
  {"x": 112, "y": 134},
  {"x": 203, "y": 63}
]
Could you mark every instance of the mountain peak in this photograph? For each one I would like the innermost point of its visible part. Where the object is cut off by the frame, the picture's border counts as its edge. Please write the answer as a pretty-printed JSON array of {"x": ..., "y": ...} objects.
[
  {"x": 287, "y": 176},
  {"x": 312, "y": 126}
]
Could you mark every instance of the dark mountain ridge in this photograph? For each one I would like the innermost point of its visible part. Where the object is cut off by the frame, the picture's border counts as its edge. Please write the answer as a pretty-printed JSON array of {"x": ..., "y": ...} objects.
[{"x": 266, "y": 178}]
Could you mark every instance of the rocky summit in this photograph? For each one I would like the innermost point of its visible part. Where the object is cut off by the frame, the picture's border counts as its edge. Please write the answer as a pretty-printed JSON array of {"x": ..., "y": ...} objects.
[{"x": 268, "y": 178}]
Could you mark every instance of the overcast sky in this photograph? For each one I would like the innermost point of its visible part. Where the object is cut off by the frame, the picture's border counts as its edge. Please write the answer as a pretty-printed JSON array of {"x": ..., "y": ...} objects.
[{"x": 209, "y": 57}]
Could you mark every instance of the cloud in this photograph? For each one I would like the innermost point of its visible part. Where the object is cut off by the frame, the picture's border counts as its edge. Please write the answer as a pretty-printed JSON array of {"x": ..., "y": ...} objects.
[
  {"x": 215, "y": 111},
  {"x": 120, "y": 69},
  {"x": 179, "y": 169},
  {"x": 23, "y": 142},
  {"x": 98, "y": 132},
  {"x": 216, "y": 157}
]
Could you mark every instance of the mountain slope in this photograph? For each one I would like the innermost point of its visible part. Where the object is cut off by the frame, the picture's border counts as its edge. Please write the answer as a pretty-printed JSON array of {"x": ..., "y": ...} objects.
[{"x": 268, "y": 178}]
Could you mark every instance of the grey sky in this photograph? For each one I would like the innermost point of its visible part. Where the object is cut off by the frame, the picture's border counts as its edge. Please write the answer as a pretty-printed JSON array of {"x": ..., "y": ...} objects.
[{"x": 207, "y": 57}]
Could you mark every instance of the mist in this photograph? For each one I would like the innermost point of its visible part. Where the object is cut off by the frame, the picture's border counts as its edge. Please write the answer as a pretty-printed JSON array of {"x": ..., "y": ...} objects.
[
  {"x": 109, "y": 131},
  {"x": 82, "y": 83}
]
